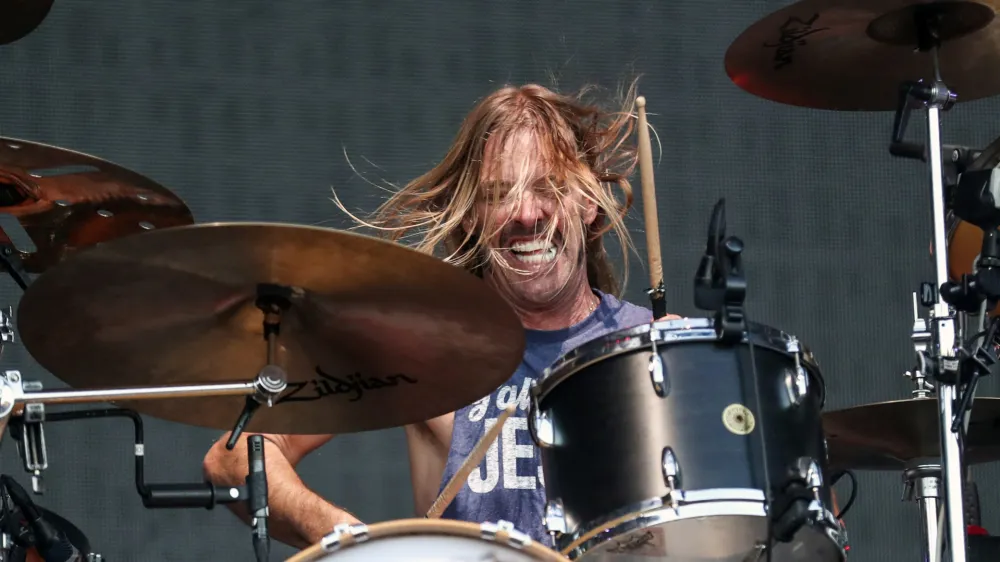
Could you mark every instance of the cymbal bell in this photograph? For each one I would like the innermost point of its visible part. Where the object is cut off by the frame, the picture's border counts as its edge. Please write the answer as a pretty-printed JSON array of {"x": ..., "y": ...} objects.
[
  {"x": 65, "y": 200},
  {"x": 886, "y": 435},
  {"x": 375, "y": 335},
  {"x": 852, "y": 55},
  {"x": 18, "y": 18}
]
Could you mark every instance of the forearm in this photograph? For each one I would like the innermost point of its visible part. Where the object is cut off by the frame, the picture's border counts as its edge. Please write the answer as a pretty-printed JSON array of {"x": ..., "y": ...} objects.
[{"x": 297, "y": 516}]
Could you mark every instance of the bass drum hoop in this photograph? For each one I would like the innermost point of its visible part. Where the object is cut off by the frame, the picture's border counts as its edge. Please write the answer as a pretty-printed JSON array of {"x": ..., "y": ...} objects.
[
  {"x": 501, "y": 534},
  {"x": 668, "y": 332}
]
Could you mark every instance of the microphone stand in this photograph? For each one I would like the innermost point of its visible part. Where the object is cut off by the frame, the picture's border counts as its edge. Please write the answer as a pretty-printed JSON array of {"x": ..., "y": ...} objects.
[{"x": 190, "y": 495}]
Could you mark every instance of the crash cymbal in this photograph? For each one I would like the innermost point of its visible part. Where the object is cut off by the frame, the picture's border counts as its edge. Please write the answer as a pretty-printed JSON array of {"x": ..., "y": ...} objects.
[
  {"x": 376, "y": 335},
  {"x": 66, "y": 200},
  {"x": 884, "y": 436},
  {"x": 852, "y": 55},
  {"x": 20, "y": 17}
]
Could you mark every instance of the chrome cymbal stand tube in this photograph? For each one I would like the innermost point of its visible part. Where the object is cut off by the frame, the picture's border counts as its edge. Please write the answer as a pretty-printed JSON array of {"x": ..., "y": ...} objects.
[{"x": 940, "y": 360}]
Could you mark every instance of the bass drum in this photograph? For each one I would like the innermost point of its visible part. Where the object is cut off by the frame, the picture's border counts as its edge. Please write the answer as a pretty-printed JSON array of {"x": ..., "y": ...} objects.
[
  {"x": 427, "y": 540},
  {"x": 650, "y": 442}
]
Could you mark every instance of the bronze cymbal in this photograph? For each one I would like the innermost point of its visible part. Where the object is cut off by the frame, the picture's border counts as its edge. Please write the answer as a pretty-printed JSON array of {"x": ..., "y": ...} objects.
[
  {"x": 376, "y": 335},
  {"x": 66, "y": 200},
  {"x": 18, "y": 18},
  {"x": 852, "y": 55},
  {"x": 885, "y": 435}
]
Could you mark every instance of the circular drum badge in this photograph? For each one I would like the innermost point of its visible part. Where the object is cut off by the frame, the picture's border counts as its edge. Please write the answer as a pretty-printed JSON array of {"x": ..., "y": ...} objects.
[{"x": 738, "y": 419}]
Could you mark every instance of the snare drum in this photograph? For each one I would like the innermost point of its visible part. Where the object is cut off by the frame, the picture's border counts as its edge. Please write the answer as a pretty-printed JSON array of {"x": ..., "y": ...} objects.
[
  {"x": 427, "y": 540},
  {"x": 650, "y": 442}
]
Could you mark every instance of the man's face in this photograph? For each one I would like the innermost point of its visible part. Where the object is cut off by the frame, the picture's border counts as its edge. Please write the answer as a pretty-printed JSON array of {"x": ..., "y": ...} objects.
[{"x": 539, "y": 266}]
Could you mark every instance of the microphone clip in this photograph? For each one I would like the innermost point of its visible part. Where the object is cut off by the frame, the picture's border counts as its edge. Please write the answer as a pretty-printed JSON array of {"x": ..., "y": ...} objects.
[{"x": 720, "y": 285}]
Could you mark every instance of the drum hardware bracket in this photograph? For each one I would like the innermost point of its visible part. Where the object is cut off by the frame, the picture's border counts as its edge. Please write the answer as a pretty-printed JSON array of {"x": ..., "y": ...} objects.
[
  {"x": 658, "y": 300},
  {"x": 333, "y": 540},
  {"x": 671, "y": 477},
  {"x": 555, "y": 519},
  {"x": 797, "y": 383},
  {"x": 921, "y": 338},
  {"x": 28, "y": 431},
  {"x": 656, "y": 364},
  {"x": 493, "y": 532},
  {"x": 272, "y": 380}
]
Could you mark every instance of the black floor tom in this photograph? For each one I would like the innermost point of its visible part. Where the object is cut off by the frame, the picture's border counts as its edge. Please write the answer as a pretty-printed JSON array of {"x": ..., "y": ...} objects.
[{"x": 652, "y": 450}]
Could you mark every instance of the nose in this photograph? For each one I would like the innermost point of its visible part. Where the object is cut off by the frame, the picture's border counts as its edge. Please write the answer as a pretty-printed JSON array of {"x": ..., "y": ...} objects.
[{"x": 531, "y": 209}]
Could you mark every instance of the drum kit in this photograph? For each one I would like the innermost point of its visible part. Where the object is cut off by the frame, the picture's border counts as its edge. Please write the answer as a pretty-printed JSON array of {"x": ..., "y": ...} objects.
[{"x": 714, "y": 442}]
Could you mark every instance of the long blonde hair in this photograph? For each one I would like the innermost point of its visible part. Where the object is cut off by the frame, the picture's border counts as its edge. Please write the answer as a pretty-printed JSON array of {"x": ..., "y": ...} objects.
[{"x": 589, "y": 145}]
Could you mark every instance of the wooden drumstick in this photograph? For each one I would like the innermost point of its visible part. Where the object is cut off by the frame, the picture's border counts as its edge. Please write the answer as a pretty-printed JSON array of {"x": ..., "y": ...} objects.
[
  {"x": 457, "y": 481},
  {"x": 657, "y": 293}
]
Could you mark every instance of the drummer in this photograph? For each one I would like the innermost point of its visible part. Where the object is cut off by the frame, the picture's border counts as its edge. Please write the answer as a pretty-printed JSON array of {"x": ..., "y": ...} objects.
[{"x": 523, "y": 198}]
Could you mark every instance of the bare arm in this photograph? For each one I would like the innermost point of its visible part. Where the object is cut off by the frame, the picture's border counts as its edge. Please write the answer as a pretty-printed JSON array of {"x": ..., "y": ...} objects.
[{"x": 298, "y": 516}]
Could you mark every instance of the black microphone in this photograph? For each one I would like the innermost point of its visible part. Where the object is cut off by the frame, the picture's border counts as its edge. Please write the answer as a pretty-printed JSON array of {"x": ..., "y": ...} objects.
[
  {"x": 257, "y": 491},
  {"x": 706, "y": 295},
  {"x": 51, "y": 543}
]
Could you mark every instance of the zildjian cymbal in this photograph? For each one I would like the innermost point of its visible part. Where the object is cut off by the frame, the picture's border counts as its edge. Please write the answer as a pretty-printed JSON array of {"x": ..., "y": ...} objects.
[
  {"x": 853, "y": 55},
  {"x": 65, "y": 200},
  {"x": 375, "y": 335},
  {"x": 18, "y": 18},
  {"x": 885, "y": 435}
]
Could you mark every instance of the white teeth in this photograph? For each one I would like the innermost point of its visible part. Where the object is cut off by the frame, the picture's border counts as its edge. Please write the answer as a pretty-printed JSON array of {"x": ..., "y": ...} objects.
[
  {"x": 541, "y": 257},
  {"x": 531, "y": 246}
]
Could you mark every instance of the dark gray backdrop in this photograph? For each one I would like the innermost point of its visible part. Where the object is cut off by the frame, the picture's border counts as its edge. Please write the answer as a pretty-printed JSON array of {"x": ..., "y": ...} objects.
[{"x": 246, "y": 108}]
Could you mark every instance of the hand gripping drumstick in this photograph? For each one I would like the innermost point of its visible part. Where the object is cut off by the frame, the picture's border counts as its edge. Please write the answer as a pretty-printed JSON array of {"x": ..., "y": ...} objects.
[
  {"x": 657, "y": 294},
  {"x": 457, "y": 481},
  {"x": 450, "y": 490}
]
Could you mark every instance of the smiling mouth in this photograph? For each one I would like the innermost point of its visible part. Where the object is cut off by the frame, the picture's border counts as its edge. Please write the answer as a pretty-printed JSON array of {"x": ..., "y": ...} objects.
[{"x": 533, "y": 251}]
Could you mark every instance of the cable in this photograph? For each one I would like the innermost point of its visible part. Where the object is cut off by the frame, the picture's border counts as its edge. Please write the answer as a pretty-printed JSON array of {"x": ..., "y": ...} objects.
[{"x": 854, "y": 490}]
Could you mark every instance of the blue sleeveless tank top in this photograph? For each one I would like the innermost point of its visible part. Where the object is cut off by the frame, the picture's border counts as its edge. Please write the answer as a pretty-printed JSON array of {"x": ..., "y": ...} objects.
[{"x": 508, "y": 484}]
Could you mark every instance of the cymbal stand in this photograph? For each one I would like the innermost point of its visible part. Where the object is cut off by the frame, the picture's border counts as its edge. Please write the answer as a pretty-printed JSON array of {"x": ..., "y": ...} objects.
[
  {"x": 941, "y": 357},
  {"x": 922, "y": 482}
]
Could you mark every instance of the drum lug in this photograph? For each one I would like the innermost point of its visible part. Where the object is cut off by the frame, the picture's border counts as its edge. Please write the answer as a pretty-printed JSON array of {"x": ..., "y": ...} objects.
[
  {"x": 515, "y": 538},
  {"x": 796, "y": 385},
  {"x": 797, "y": 382},
  {"x": 540, "y": 426},
  {"x": 671, "y": 475},
  {"x": 333, "y": 541},
  {"x": 656, "y": 366},
  {"x": 555, "y": 518},
  {"x": 807, "y": 470}
]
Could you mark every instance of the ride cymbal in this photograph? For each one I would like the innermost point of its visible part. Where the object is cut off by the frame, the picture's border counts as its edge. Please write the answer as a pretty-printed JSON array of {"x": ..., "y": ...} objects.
[
  {"x": 66, "y": 200},
  {"x": 375, "y": 335},
  {"x": 18, "y": 18},
  {"x": 885, "y": 435},
  {"x": 852, "y": 55}
]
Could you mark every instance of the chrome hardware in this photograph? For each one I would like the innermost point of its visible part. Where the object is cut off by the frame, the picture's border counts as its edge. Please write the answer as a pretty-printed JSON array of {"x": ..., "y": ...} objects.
[
  {"x": 555, "y": 518},
  {"x": 539, "y": 425},
  {"x": 921, "y": 338},
  {"x": 94, "y": 557},
  {"x": 656, "y": 365},
  {"x": 796, "y": 384},
  {"x": 671, "y": 475},
  {"x": 332, "y": 541},
  {"x": 32, "y": 439},
  {"x": 515, "y": 538}
]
